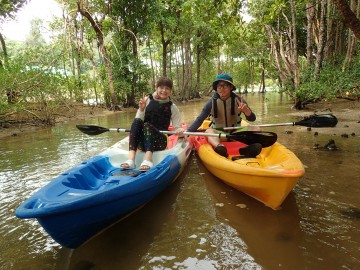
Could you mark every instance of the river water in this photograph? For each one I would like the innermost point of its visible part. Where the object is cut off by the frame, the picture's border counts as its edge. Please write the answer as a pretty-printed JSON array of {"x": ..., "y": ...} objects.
[{"x": 195, "y": 223}]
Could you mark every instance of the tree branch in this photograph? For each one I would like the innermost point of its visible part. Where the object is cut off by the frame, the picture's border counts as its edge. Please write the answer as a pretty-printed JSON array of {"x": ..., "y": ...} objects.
[{"x": 349, "y": 17}]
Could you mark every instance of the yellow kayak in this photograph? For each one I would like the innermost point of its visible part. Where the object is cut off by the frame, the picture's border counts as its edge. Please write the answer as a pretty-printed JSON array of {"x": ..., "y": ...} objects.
[{"x": 269, "y": 177}]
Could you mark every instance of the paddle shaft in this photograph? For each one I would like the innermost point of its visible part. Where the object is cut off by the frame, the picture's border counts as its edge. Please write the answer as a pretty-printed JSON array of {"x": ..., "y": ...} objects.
[
  {"x": 173, "y": 132},
  {"x": 248, "y": 137},
  {"x": 315, "y": 120},
  {"x": 264, "y": 125}
]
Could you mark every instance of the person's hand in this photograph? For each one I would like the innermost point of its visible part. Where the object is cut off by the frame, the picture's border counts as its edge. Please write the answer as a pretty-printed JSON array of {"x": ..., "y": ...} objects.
[
  {"x": 242, "y": 106},
  {"x": 179, "y": 131},
  {"x": 142, "y": 102}
]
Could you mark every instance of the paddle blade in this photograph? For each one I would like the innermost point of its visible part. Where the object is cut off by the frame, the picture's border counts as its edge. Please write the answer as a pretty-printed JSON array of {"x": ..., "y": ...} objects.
[
  {"x": 91, "y": 129},
  {"x": 321, "y": 120},
  {"x": 265, "y": 138}
]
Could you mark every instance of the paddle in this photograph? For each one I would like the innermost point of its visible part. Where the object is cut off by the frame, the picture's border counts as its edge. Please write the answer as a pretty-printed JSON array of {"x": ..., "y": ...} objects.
[
  {"x": 315, "y": 120},
  {"x": 248, "y": 137}
]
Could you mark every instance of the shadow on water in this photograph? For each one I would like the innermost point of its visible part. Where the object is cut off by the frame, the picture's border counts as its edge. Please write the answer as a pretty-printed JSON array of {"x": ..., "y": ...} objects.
[
  {"x": 268, "y": 234},
  {"x": 123, "y": 245}
]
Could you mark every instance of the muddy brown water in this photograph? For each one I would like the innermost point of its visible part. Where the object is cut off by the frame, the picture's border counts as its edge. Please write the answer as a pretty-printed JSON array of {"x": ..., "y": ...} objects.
[{"x": 198, "y": 222}]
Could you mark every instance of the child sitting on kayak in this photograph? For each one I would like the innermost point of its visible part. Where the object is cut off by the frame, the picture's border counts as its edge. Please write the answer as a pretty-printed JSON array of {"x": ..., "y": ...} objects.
[
  {"x": 225, "y": 108},
  {"x": 155, "y": 113}
]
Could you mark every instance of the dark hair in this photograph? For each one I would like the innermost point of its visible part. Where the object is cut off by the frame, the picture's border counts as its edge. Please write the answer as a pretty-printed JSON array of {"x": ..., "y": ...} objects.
[{"x": 164, "y": 82}]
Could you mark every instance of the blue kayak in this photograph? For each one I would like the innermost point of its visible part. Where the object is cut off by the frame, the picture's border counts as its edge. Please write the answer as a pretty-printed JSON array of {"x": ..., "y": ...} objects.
[{"x": 95, "y": 194}]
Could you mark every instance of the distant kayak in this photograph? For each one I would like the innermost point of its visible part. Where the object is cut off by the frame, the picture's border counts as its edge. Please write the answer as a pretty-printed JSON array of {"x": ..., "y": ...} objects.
[
  {"x": 269, "y": 177},
  {"x": 95, "y": 194}
]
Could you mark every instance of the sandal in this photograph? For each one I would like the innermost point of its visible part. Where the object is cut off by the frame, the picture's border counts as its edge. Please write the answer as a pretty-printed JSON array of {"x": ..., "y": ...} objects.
[
  {"x": 128, "y": 165},
  {"x": 146, "y": 165}
]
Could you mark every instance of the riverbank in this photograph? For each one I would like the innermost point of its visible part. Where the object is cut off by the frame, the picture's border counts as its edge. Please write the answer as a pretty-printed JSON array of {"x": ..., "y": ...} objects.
[
  {"x": 347, "y": 112},
  {"x": 63, "y": 115}
]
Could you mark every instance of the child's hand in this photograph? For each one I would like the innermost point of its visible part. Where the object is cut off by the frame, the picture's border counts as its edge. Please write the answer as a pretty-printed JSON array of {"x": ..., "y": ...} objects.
[
  {"x": 179, "y": 131},
  {"x": 142, "y": 102},
  {"x": 242, "y": 106}
]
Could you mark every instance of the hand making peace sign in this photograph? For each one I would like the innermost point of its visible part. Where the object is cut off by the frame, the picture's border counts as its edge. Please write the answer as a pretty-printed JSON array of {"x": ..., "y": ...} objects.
[
  {"x": 242, "y": 106},
  {"x": 142, "y": 102}
]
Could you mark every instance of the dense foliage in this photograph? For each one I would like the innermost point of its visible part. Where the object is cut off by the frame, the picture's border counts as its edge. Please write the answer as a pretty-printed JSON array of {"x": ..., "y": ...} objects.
[
  {"x": 8, "y": 8},
  {"x": 110, "y": 52}
]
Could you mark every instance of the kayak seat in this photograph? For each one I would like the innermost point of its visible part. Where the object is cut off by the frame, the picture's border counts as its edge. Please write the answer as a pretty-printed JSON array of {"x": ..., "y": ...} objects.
[
  {"x": 89, "y": 175},
  {"x": 172, "y": 140},
  {"x": 233, "y": 147}
]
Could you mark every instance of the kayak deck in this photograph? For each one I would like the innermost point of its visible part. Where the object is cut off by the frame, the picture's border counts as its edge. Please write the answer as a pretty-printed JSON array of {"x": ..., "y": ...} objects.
[
  {"x": 268, "y": 178},
  {"x": 96, "y": 193}
]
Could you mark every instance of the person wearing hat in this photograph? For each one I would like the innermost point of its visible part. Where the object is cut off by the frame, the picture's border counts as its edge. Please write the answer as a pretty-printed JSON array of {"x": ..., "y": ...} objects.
[{"x": 225, "y": 109}]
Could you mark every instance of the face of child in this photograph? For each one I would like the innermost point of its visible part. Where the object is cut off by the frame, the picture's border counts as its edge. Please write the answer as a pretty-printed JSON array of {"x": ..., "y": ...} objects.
[
  {"x": 224, "y": 89},
  {"x": 163, "y": 92}
]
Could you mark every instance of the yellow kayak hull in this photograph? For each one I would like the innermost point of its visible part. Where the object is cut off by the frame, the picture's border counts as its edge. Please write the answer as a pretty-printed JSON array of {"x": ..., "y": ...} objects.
[{"x": 269, "y": 177}]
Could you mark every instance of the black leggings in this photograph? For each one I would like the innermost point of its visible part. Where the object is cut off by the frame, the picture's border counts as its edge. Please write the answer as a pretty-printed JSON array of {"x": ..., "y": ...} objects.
[{"x": 146, "y": 137}]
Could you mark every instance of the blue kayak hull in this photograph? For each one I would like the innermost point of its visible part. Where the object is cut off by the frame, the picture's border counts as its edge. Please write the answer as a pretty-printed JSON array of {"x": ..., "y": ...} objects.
[{"x": 95, "y": 194}]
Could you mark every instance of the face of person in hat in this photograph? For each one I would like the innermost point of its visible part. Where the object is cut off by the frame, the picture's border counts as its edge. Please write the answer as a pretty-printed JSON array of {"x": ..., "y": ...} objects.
[{"x": 223, "y": 85}]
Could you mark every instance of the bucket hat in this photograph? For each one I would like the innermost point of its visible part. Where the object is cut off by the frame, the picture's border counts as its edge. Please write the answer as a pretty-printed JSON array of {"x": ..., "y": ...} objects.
[{"x": 223, "y": 77}]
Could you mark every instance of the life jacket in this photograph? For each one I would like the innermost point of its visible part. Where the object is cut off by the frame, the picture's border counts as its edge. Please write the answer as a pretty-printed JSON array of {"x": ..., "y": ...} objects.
[
  {"x": 225, "y": 113},
  {"x": 158, "y": 114}
]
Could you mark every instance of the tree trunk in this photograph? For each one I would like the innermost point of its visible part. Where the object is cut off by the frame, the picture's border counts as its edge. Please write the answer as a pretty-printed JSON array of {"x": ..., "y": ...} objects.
[
  {"x": 262, "y": 80},
  {"x": 321, "y": 43},
  {"x": 218, "y": 61},
  {"x": 178, "y": 71},
  {"x": 3, "y": 46},
  {"x": 165, "y": 44},
  {"x": 183, "y": 68},
  {"x": 285, "y": 48},
  {"x": 77, "y": 51},
  {"x": 351, "y": 40},
  {"x": 294, "y": 48},
  {"x": 170, "y": 61},
  {"x": 100, "y": 37},
  {"x": 349, "y": 17},
  {"x": 310, "y": 36},
  {"x": 330, "y": 31},
  {"x": 151, "y": 64},
  {"x": 275, "y": 53},
  {"x": 198, "y": 72},
  {"x": 131, "y": 98},
  {"x": 251, "y": 73},
  {"x": 95, "y": 72},
  {"x": 187, "y": 79}
]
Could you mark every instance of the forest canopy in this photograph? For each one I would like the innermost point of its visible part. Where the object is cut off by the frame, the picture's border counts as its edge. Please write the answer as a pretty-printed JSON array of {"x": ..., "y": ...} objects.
[{"x": 110, "y": 52}]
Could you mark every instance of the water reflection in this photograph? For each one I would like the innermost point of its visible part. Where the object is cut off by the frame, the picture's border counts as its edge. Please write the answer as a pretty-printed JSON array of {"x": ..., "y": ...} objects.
[{"x": 261, "y": 229}]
